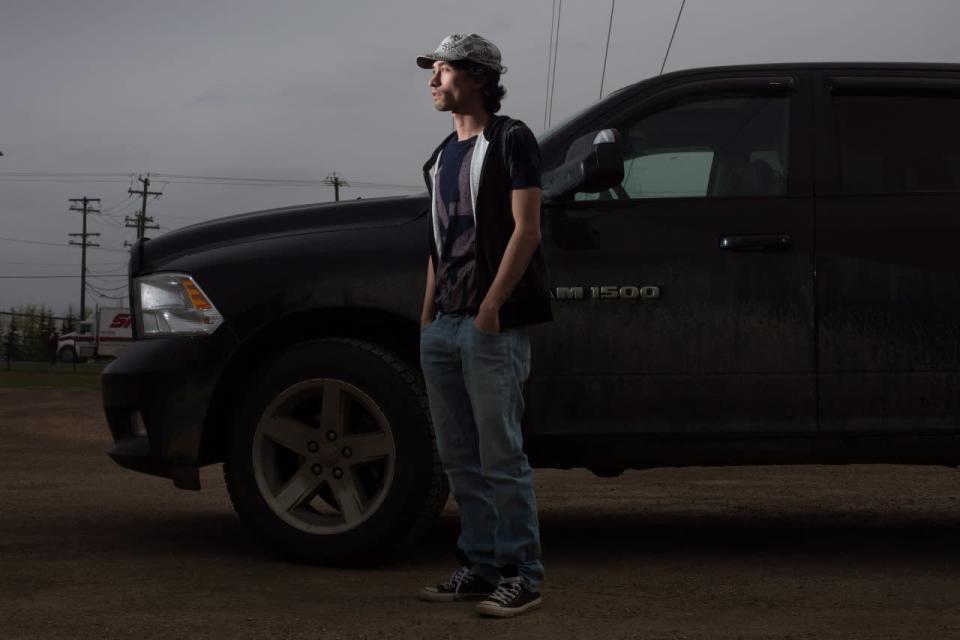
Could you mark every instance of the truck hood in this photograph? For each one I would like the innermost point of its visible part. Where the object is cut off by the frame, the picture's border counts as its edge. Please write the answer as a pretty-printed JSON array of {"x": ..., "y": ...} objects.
[{"x": 273, "y": 223}]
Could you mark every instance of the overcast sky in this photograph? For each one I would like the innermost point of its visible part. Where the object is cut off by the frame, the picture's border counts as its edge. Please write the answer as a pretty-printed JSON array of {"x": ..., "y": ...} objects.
[{"x": 297, "y": 89}]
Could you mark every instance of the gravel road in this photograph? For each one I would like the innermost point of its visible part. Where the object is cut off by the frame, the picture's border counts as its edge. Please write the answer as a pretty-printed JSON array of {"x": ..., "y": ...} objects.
[{"x": 90, "y": 550}]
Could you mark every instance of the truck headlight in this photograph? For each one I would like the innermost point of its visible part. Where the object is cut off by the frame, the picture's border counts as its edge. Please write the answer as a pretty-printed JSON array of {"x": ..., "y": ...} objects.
[{"x": 172, "y": 304}]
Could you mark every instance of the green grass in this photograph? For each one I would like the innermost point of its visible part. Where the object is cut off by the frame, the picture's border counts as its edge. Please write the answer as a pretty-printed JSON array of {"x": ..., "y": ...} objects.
[{"x": 25, "y": 375}]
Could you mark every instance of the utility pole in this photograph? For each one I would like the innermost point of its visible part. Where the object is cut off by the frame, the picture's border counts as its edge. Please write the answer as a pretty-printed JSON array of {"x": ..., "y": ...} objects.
[
  {"x": 337, "y": 182},
  {"x": 140, "y": 221},
  {"x": 83, "y": 244}
]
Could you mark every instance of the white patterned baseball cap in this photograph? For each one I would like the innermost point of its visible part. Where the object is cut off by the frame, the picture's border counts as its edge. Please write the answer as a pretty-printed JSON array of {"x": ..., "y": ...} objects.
[{"x": 470, "y": 48}]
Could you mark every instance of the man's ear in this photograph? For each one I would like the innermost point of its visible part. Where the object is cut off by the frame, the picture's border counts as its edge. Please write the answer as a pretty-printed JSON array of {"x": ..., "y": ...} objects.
[{"x": 479, "y": 84}]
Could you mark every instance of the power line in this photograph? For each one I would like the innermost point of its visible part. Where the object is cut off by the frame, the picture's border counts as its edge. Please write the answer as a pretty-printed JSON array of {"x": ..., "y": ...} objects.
[
  {"x": 118, "y": 205},
  {"x": 231, "y": 179},
  {"x": 52, "y": 244},
  {"x": 74, "y": 174},
  {"x": 41, "y": 277},
  {"x": 169, "y": 215},
  {"x": 101, "y": 294},
  {"x": 34, "y": 315},
  {"x": 553, "y": 75},
  {"x": 679, "y": 13},
  {"x": 355, "y": 185},
  {"x": 546, "y": 93},
  {"x": 291, "y": 181},
  {"x": 106, "y": 287},
  {"x": 297, "y": 183},
  {"x": 50, "y": 275},
  {"x": 57, "y": 244},
  {"x": 111, "y": 216},
  {"x": 73, "y": 180},
  {"x": 115, "y": 272},
  {"x": 607, "y": 49},
  {"x": 38, "y": 176},
  {"x": 100, "y": 288},
  {"x": 110, "y": 220},
  {"x": 375, "y": 185},
  {"x": 59, "y": 264}
]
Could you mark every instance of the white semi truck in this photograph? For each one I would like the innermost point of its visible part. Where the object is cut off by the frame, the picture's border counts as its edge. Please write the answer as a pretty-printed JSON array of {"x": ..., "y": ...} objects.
[{"x": 105, "y": 333}]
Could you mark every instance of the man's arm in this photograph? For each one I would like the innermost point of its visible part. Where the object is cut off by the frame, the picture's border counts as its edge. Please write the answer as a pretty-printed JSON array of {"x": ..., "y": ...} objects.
[
  {"x": 429, "y": 308},
  {"x": 525, "y": 204}
]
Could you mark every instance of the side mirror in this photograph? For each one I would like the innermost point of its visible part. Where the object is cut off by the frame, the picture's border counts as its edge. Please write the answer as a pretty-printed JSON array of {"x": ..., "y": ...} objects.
[{"x": 594, "y": 163}]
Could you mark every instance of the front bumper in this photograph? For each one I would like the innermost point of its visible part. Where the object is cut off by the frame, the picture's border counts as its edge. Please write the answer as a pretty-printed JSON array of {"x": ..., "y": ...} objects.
[{"x": 156, "y": 396}]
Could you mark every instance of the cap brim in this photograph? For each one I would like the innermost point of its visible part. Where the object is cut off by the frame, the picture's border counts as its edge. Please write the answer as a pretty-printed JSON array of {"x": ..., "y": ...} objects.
[{"x": 425, "y": 62}]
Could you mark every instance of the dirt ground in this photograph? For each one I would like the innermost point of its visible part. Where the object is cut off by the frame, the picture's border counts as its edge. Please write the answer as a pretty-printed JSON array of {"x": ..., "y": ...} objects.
[{"x": 90, "y": 550}]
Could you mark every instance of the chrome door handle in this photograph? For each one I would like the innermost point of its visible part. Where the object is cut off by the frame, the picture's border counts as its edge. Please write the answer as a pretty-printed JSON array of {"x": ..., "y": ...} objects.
[{"x": 769, "y": 242}]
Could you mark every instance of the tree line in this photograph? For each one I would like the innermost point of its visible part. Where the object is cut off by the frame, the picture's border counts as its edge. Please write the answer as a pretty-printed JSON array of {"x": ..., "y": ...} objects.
[{"x": 28, "y": 331}]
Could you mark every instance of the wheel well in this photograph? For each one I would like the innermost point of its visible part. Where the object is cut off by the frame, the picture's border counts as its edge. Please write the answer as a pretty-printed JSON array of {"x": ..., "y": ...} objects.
[{"x": 389, "y": 330}]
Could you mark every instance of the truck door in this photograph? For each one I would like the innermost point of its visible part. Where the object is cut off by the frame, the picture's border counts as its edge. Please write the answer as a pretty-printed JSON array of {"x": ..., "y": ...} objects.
[
  {"x": 888, "y": 269},
  {"x": 86, "y": 339},
  {"x": 685, "y": 295}
]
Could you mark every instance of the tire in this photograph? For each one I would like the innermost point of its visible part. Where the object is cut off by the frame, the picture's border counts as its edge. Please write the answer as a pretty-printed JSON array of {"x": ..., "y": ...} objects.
[
  {"x": 67, "y": 354},
  {"x": 349, "y": 485}
]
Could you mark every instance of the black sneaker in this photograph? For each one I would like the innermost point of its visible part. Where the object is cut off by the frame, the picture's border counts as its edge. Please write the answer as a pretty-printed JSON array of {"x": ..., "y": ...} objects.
[
  {"x": 462, "y": 585},
  {"x": 510, "y": 599}
]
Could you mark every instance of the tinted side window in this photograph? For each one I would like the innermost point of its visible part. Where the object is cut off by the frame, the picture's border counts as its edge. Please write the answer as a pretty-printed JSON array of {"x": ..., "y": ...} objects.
[
  {"x": 730, "y": 145},
  {"x": 898, "y": 143}
]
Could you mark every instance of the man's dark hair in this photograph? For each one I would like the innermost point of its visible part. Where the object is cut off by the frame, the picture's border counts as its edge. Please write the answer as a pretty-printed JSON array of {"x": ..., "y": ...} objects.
[{"x": 493, "y": 91}]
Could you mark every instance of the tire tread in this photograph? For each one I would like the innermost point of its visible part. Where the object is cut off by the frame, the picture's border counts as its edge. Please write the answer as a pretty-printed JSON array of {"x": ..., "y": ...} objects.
[{"x": 438, "y": 491}]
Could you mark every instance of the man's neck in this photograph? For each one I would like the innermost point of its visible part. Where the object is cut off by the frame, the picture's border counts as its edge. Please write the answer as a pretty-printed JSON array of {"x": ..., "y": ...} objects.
[{"x": 470, "y": 124}]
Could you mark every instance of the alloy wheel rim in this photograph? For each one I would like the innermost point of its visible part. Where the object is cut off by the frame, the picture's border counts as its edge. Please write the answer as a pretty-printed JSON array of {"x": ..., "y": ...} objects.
[{"x": 323, "y": 456}]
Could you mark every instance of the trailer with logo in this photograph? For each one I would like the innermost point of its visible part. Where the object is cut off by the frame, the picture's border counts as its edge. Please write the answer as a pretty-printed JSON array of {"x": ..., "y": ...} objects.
[{"x": 105, "y": 333}]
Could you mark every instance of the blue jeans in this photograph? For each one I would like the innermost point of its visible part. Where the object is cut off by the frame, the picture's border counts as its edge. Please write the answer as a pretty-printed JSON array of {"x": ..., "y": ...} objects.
[{"x": 475, "y": 387}]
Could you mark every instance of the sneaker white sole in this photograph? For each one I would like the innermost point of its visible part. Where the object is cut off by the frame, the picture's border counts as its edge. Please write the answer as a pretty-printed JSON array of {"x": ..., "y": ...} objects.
[
  {"x": 497, "y": 611},
  {"x": 434, "y": 596}
]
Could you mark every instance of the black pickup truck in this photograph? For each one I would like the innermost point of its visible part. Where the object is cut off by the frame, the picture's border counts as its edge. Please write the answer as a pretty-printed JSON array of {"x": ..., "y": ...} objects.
[{"x": 749, "y": 265}]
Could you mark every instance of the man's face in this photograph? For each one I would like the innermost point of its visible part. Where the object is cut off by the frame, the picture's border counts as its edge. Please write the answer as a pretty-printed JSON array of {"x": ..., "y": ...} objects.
[{"x": 453, "y": 89}]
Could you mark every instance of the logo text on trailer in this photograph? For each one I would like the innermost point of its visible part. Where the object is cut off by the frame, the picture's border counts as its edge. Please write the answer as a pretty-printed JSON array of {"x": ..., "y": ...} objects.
[{"x": 121, "y": 321}]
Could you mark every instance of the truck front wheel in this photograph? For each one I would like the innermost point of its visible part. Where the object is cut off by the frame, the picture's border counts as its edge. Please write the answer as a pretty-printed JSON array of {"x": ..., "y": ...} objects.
[
  {"x": 67, "y": 354},
  {"x": 332, "y": 458}
]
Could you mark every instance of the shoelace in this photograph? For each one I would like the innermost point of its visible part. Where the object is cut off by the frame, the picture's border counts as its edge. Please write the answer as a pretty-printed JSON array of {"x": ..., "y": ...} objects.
[
  {"x": 458, "y": 578},
  {"x": 506, "y": 591}
]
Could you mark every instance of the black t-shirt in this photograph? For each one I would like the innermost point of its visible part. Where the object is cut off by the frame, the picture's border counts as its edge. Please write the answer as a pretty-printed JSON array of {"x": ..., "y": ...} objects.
[
  {"x": 456, "y": 283},
  {"x": 456, "y": 274}
]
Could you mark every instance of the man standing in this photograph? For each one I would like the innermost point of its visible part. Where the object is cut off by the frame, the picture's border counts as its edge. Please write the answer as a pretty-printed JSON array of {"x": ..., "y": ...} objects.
[{"x": 486, "y": 281}]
